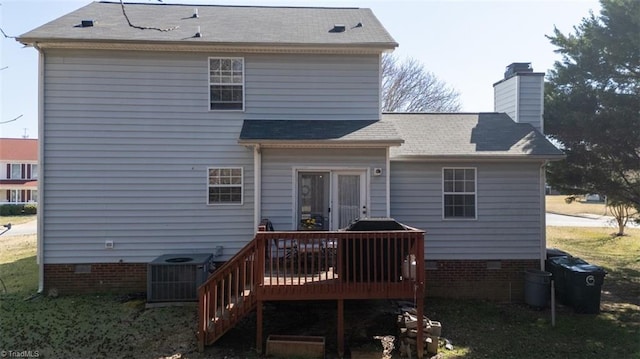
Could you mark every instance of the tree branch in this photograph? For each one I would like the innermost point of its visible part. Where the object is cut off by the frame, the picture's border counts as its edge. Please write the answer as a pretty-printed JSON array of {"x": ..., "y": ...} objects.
[{"x": 7, "y": 36}]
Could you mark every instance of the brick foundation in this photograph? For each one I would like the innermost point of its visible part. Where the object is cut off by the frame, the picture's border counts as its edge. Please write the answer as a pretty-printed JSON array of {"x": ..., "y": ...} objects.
[
  {"x": 481, "y": 279},
  {"x": 96, "y": 278}
]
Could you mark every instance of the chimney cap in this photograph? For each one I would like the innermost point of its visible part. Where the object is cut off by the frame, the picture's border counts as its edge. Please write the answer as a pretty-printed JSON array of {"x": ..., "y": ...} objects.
[{"x": 516, "y": 68}]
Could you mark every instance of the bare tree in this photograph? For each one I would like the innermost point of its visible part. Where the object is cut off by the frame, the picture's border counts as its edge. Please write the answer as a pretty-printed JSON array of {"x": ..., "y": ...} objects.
[{"x": 408, "y": 87}]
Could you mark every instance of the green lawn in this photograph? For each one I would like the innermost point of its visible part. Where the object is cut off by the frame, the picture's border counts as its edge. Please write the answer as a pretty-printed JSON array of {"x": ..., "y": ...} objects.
[
  {"x": 489, "y": 330},
  {"x": 91, "y": 326}
]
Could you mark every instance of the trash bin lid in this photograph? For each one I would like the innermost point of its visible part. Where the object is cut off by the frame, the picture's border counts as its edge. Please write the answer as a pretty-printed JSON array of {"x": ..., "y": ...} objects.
[
  {"x": 566, "y": 261},
  {"x": 555, "y": 252},
  {"x": 376, "y": 224},
  {"x": 586, "y": 268}
]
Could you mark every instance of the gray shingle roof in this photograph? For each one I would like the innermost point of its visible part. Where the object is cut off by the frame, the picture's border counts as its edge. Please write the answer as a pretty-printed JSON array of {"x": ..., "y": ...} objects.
[
  {"x": 249, "y": 25},
  {"x": 474, "y": 135},
  {"x": 320, "y": 131}
]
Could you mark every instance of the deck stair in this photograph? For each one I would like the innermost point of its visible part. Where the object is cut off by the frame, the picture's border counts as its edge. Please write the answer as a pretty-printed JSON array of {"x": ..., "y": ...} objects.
[{"x": 316, "y": 265}]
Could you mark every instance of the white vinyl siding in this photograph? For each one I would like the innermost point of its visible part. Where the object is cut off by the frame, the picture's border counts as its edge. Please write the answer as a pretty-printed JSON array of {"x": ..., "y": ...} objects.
[
  {"x": 279, "y": 168},
  {"x": 128, "y": 140},
  {"x": 129, "y": 135},
  {"x": 521, "y": 97},
  {"x": 325, "y": 87},
  {"x": 508, "y": 201}
]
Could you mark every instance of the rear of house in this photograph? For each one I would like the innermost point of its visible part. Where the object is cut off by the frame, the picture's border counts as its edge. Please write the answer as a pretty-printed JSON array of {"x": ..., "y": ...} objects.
[{"x": 159, "y": 142}]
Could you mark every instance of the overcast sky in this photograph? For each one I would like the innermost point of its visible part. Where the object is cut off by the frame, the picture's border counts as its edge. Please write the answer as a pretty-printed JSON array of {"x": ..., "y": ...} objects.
[{"x": 467, "y": 44}]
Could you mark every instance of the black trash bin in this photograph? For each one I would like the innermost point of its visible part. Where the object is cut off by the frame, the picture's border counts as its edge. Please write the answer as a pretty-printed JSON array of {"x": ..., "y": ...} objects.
[
  {"x": 585, "y": 285},
  {"x": 358, "y": 259},
  {"x": 559, "y": 268},
  {"x": 555, "y": 252}
]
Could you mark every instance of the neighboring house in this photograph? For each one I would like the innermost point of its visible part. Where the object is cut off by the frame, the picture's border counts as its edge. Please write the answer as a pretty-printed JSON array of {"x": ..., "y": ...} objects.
[
  {"x": 18, "y": 170},
  {"x": 182, "y": 140}
]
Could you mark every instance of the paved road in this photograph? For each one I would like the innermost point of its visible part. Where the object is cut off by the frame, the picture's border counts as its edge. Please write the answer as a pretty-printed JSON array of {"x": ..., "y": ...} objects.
[
  {"x": 21, "y": 229},
  {"x": 558, "y": 220}
]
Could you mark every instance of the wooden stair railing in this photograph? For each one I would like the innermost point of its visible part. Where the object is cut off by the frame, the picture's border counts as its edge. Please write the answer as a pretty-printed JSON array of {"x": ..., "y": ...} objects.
[
  {"x": 228, "y": 295},
  {"x": 311, "y": 266}
]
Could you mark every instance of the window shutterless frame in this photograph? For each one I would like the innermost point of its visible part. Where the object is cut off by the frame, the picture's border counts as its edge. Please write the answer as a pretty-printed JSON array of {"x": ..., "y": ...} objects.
[
  {"x": 226, "y": 83},
  {"x": 225, "y": 186},
  {"x": 459, "y": 193}
]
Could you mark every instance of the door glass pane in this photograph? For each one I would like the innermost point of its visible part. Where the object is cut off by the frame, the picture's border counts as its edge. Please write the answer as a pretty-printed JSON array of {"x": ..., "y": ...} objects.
[
  {"x": 348, "y": 199},
  {"x": 313, "y": 201}
]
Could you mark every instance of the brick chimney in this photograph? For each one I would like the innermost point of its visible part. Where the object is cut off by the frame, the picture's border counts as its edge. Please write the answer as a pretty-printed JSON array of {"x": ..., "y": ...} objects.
[{"x": 520, "y": 94}]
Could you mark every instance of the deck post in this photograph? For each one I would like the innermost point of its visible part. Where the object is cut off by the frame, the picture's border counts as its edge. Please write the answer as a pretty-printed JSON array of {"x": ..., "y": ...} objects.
[
  {"x": 341, "y": 328},
  {"x": 420, "y": 315},
  {"x": 259, "y": 327},
  {"x": 419, "y": 293}
]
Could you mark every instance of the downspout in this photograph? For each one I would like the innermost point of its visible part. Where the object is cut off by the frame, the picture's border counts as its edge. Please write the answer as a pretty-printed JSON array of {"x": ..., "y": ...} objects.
[
  {"x": 41, "y": 164},
  {"x": 543, "y": 214},
  {"x": 257, "y": 186},
  {"x": 388, "y": 175}
]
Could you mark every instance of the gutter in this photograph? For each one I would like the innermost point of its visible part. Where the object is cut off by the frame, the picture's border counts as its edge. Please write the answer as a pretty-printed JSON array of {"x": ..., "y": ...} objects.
[
  {"x": 41, "y": 164},
  {"x": 199, "y": 45},
  {"x": 321, "y": 143},
  {"x": 477, "y": 158}
]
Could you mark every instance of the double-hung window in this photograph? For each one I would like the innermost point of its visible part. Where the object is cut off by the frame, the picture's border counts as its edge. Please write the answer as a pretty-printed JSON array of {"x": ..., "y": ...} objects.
[
  {"x": 225, "y": 185},
  {"x": 459, "y": 193},
  {"x": 16, "y": 171},
  {"x": 226, "y": 83}
]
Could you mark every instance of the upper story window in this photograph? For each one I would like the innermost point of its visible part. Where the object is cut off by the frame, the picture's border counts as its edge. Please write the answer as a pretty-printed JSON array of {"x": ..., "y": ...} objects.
[
  {"x": 459, "y": 193},
  {"x": 225, "y": 185},
  {"x": 18, "y": 171},
  {"x": 226, "y": 83}
]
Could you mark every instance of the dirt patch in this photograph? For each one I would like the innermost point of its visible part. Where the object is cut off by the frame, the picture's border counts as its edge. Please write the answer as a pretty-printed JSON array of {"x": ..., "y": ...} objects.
[{"x": 363, "y": 321}]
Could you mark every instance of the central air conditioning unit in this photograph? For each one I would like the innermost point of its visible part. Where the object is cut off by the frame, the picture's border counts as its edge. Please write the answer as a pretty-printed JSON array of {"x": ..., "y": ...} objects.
[{"x": 176, "y": 277}]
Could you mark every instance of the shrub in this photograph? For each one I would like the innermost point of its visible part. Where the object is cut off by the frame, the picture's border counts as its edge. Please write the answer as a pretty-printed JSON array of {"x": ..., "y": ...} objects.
[
  {"x": 11, "y": 209},
  {"x": 30, "y": 208},
  {"x": 18, "y": 209}
]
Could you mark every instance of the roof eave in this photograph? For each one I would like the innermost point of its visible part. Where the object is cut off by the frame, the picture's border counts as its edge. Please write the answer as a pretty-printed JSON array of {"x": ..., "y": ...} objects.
[
  {"x": 482, "y": 158},
  {"x": 194, "y": 45},
  {"x": 321, "y": 143}
]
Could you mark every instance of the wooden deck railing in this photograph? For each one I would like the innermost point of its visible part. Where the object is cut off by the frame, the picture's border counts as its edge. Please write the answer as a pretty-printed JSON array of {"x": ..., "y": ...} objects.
[
  {"x": 311, "y": 266},
  {"x": 228, "y": 295}
]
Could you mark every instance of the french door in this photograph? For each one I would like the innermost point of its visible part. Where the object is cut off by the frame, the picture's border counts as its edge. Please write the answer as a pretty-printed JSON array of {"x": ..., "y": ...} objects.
[{"x": 330, "y": 200}]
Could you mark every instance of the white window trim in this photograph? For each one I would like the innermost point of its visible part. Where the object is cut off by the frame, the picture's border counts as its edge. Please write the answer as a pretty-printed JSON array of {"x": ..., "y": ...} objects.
[
  {"x": 475, "y": 193},
  {"x": 244, "y": 69},
  {"x": 233, "y": 185}
]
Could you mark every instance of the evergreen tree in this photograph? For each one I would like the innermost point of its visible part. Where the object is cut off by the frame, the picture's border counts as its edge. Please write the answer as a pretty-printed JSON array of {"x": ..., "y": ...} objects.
[{"x": 592, "y": 105}]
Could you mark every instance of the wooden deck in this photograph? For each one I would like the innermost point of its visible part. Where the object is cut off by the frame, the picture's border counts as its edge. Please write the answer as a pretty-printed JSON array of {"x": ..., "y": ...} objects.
[{"x": 342, "y": 265}]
